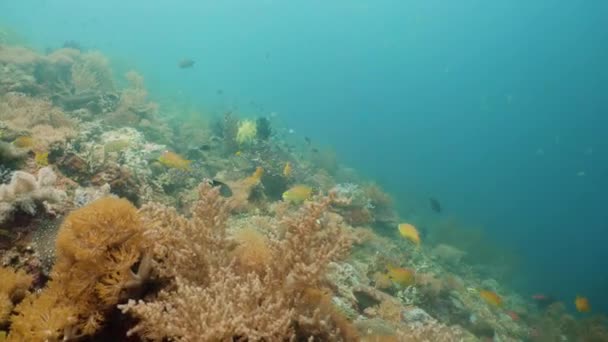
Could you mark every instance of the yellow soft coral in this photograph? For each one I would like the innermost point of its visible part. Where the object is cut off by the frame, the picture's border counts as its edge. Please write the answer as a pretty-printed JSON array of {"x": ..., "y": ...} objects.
[
  {"x": 246, "y": 132},
  {"x": 13, "y": 288},
  {"x": 96, "y": 247}
]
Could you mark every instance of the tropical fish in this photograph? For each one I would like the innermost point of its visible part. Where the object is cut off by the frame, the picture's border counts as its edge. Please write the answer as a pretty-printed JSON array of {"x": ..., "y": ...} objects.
[
  {"x": 490, "y": 297},
  {"x": 225, "y": 190},
  {"x": 256, "y": 176},
  {"x": 174, "y": 161},
  {"x": 24, "y": 142},
  {"x": 400, "y": 275},
  {"x": 238, "y": 153},
  {"x": 582, "y": 304},
  {"x": 435, "y": 205},
  {"x": 409, "y": 232},
  {"x": 287, "y": 170},
  {"x": 543, "y": 300},
  {"x": 297, "y": 194},
  {"x": 185, "y": 63}
]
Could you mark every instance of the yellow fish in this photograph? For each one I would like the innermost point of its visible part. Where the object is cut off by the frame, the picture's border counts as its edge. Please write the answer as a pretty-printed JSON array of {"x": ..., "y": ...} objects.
[
  {"x": 297, "y": 194},
  {"x": 582, "y": 304},
  {"x": 174, "y": 161},
  {"x": 255, "y": 177},
  {"x": 409, "y": 232},
  {"x": 24, "y": 142},
  {"x": 287, "y": 170},
  {"x": 400, "y": 275},
  {"x": 490, "y": 297},
  {"x": 237, "y": 153}
]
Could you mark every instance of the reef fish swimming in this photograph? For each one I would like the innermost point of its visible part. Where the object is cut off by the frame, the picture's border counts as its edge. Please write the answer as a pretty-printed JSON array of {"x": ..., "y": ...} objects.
[
  {"x": 185, "y": 63},
  {"x": 490, "y": 297},
  {"x": 225, "y": 190},
  {"x": 435, "y": 205},
  {"x": 409, "y": 232},
  {"x": 297, "y": 194},
  {"x": 582, "y": 304}
]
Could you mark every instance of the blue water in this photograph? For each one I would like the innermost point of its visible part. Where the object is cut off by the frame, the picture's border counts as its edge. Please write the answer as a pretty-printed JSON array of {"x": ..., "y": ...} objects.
[{"x": 497, "y": 108}]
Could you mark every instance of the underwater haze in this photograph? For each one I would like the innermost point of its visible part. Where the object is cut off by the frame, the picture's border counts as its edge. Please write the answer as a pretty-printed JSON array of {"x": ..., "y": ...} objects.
[{"x": 498, "y": 109}]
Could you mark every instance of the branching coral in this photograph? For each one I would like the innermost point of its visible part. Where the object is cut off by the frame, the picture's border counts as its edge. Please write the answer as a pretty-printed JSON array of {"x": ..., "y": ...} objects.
[
  {"x": 97, "y": 246},
  {"x": 92, "y": 73},
  {"x": 25, "y": 191},
  {"x": 134, "y": 98},
  {"x": 20, "y": 112},
  {"x": 215, "y": 298},
  {"x": 38, "y": 118}
]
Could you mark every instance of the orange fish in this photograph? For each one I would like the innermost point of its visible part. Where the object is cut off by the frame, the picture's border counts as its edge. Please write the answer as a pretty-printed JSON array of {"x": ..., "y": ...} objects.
[
  {"x": 400, "y": 275},
  {"x": 174, "y": 161},
  {"x": 409, "y": 232},
  {"x": 490, "y": 297},
  {"x": 255, "y": 177},
  {"x": 582, "y": 304},
  {"x": 24, "y": 142}
]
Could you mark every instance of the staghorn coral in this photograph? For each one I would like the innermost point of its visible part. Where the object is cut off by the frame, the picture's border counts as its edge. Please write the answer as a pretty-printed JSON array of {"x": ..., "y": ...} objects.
[
  {"x": 97, "y": 246},
  {"x": 91, "y": 72},
  {"x": 206, "y": 286},
  {"x": 20, "y": 112},
  {"x": 25, "y": 191}
]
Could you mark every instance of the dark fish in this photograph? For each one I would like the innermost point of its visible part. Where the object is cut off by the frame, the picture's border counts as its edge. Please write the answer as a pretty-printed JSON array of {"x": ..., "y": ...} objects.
[
  {"x": 186, "y": 63},
  {"x": 220, "y": 92},
  {"x": 225, "y": 190},
  {"x": 315, "y": 150},
  {"x": 435, "y": 205},
  {"x": 307, "y": 139}
]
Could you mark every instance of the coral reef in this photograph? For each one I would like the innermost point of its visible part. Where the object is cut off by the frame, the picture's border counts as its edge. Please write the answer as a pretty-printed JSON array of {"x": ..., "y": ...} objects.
[
  {"x": 13, "y": 288},
  {"x": 97, "y": 246},
  {"x": 26, "y": 191},
  {"x": 263, "y": 302},
  {"x": 243, "y": 233}
]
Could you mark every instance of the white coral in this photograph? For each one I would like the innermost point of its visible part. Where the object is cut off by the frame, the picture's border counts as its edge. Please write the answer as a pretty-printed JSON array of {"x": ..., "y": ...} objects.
[{"x": 26, "y": 190}]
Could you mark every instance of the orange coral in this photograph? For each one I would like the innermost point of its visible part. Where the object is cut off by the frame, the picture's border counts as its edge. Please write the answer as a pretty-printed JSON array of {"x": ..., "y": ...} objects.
[
  {"x": 13, "y": 288},
  {"x": 96, "y": 247}
]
